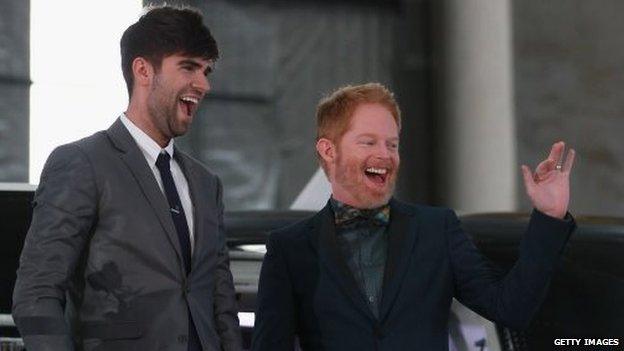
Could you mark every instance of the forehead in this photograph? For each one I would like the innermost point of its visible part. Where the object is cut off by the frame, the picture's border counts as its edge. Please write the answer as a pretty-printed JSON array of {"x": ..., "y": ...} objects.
[{"x": 373, "y": 118}]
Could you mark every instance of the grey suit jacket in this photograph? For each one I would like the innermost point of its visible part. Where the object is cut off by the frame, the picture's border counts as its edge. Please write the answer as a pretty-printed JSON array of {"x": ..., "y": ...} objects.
[{"x": 101, "y": 267}]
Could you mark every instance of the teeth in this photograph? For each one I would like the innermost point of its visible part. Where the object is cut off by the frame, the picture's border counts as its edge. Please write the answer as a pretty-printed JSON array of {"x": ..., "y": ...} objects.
[
  {"x": 377, "y": 170},
  {"x": 190, "y": 99}
]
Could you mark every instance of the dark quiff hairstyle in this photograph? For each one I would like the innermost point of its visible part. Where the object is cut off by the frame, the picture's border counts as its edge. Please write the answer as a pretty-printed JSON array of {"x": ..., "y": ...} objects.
[{"x": 164, "y": 31}]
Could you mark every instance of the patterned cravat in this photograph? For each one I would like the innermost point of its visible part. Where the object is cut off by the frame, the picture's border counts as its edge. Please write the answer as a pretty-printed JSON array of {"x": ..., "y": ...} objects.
[{"x": 346, "y": 215}]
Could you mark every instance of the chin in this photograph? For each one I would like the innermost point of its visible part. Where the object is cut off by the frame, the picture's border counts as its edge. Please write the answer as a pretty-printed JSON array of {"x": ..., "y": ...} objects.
[
  {"x": 180, "y": 129},
  {"x": 374, "y": 201}
]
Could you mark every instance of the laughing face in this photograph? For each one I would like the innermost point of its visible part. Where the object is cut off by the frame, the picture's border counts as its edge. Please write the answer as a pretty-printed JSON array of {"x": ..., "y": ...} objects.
[
  {"x": 176, "y": 91},
  {"x": 364, "y": 170}
]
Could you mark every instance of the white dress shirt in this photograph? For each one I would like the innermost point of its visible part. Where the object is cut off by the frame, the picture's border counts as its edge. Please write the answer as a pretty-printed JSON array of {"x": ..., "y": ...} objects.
[{"x": 151, "y": 150}]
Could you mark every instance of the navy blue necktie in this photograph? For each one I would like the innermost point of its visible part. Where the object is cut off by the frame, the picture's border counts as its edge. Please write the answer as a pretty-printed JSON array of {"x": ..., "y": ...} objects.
[
  {"x": 179, "y": 220},
  {"x": 175, "y": 208}
]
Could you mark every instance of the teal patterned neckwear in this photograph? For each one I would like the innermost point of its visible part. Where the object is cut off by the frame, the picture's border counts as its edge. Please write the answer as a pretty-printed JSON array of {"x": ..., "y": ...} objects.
[{"x": 346, "y": 215}]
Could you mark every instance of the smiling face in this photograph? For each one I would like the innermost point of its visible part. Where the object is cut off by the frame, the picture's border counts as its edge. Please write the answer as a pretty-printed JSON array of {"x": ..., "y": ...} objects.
[
  {"x": 364, "y": 164},
  {"x": 176, "y": 90}
]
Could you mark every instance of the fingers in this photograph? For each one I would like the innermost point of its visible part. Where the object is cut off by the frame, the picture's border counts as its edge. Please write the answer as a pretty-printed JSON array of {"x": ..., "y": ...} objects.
[
  {"x": 544, "y": 167},
  {"x": 569, "y": 161},
  {"x": 529, "y": 183},
  {"x": 549, "y": 164},
  {"x": 556, "y": 151}
]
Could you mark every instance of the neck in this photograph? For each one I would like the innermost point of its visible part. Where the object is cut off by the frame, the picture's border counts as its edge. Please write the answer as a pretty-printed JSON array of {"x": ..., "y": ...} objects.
[
  {"x": 362, "y": 202},
  {"x": 139, "y": 115},
  {"x": 347, "y": 200}
]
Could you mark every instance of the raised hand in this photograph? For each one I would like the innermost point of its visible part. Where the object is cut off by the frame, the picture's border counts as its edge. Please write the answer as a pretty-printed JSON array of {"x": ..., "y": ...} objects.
[{"x": 549, "y": 187}]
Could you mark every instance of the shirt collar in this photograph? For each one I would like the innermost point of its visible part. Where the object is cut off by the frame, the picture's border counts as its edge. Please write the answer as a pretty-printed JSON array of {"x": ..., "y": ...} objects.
[{"x": 150, "y": 148}]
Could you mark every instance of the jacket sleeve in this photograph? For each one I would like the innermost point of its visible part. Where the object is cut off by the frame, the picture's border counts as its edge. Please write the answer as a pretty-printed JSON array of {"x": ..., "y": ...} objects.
[
  {"x": 225, "y": 305},
  {"x": 274, "y": 328},
  {"x": 65, "y": 206},
  {"x": 514, "y": 298}
]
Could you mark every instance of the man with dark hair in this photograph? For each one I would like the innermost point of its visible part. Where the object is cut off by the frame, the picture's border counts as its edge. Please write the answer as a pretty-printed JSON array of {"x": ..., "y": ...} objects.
[
  {"x": 126, "y": 250},
  {"x": 166, "y": 30},
  {"x": 369, "y": 272}
]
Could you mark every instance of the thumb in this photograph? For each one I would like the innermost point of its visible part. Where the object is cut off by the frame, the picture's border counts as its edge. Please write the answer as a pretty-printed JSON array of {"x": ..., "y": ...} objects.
[{"x": 529, "y": 183}]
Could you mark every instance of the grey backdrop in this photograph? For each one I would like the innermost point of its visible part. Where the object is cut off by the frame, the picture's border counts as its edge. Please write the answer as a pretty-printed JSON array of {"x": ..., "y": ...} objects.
[
  {"x": 257, "y": 127},
  {"x": 278, "y": 58},
  {"x": 569, "y": 84},
  {"x": 14, "y": 90}
]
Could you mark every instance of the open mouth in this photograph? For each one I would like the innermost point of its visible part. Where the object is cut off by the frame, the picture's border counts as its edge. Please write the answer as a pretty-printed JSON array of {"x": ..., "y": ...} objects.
[
  {"x": 189, "y": 104},
  {"x": 377, "y": 175}
]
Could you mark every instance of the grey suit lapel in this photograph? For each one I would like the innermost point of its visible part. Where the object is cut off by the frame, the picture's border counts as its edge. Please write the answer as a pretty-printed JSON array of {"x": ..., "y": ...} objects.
[
  {"x": 402, "y": 238},
  {"x": 199, "y": 204},
  {"x": 135, "y": 161},
  {"x": 330, "y": 256}
]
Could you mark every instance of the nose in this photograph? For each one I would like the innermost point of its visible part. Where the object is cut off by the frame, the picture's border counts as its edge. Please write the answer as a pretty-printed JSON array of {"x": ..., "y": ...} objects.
[
  {"x": 201, "y": 83},
  {"x": 383, "y": 151}
]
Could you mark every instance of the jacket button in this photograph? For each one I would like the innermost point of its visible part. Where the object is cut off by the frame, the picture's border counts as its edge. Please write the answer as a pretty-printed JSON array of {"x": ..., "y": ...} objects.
[
  {"x": 379, "y": 333},
  {"x": 182, "y": 338}
]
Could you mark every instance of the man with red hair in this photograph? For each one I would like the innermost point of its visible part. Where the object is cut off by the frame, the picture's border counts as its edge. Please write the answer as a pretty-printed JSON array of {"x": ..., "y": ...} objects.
[{"x": 369, "y": 272}]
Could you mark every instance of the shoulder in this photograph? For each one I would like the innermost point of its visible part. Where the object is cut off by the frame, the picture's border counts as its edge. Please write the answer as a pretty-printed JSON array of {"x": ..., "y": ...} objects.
[
  {"x": 94, "y": 143},
  {"x": 293, "y": 234},
  {"x": 75, "y": 155},
  {"x": 83, "y": 145},
  {"x": 292, "y": 243},
  {"x": 295, "y": 230},
  {"x": 422, "y": 211},
  {"x": 434, "y": 219},
  {"x": 68, "y": 179}
]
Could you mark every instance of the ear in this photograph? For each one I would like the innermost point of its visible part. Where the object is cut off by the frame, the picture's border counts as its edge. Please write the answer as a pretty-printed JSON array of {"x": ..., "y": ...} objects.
[
  {"x": 326, "y": 150},
  {"x": 142, "y": 71}
]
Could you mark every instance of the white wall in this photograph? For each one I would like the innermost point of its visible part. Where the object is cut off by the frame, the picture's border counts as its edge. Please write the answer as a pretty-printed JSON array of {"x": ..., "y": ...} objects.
[
  {"x": 477, "y": 153},
  {"x": 78, "y": 87}
]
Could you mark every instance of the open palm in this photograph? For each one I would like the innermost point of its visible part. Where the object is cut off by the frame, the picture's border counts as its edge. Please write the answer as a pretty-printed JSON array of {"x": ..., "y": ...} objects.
[{"x": 549, "y": 187}]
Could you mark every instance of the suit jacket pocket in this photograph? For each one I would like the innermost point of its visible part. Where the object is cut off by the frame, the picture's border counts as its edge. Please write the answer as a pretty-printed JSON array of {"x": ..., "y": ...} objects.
[{"x": 111, "y": 331}]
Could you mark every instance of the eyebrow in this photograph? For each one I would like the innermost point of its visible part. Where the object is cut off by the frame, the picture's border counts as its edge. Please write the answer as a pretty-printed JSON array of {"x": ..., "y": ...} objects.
[
  {"x": 369, "y": 135},
  {"x": 195, "y": 64}
]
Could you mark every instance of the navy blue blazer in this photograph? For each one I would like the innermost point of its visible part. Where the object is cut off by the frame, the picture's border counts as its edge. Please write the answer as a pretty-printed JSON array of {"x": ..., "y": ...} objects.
[{"x": 306, "y": 288}]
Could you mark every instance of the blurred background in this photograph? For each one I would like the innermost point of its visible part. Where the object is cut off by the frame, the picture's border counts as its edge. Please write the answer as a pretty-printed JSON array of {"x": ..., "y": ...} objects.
[{"x": 484, "y": 86}]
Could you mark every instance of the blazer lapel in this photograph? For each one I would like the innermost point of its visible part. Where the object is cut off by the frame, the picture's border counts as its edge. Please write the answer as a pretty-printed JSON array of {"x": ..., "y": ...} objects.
[
  {"x": 402, "y": 238},
  {"x": 333, "y": 259},
  {"x": 199, "y": 204},
  {"x": 135, "y": 161}
]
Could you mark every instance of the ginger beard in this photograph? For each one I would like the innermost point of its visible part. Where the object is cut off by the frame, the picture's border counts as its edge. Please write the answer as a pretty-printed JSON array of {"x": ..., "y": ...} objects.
[
  {"x": 370, "y": 190},
  {"x": 361, "y": 180}
]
